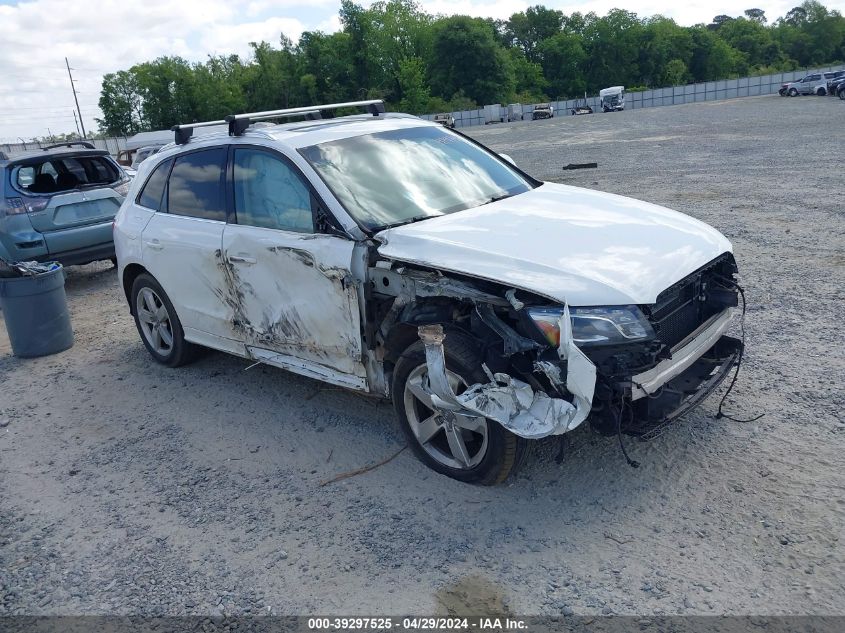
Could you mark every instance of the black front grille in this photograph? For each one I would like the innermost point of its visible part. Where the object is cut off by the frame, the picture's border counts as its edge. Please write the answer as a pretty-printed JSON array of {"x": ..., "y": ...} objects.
[{"x": 682, "y": 308}]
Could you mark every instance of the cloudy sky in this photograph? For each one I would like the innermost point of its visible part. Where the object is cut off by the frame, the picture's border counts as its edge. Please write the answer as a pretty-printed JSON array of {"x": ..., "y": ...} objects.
[{"x": 108, "y": 35}]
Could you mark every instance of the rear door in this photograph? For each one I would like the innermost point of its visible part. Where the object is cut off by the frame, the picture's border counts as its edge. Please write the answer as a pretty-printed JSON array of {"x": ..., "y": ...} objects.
[
  {"x": 295, "y": 293},
  {"x": 181, "y": 244}
]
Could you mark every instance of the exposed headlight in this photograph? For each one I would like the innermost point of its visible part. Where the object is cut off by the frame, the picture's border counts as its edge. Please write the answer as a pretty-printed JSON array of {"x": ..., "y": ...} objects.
[{"x": 603, "y": 325}]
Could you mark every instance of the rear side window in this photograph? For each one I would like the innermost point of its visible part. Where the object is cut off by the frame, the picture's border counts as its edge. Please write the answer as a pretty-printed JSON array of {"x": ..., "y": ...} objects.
[
  {"x": 196, "y": 185},
  {"x": 153, "y": 191}
]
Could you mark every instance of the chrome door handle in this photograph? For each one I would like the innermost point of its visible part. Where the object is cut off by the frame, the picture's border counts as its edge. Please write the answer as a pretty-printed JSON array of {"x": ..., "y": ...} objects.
[
  {"x": 154, "y": 244},
  {"x": 241, "y": 259}
]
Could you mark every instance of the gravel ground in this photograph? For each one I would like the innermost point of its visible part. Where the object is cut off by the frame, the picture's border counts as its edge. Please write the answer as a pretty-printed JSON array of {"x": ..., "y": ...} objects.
[{"x": 129, "y": 488}]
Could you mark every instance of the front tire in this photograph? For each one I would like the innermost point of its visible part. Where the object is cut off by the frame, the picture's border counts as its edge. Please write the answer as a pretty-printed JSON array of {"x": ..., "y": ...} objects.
[
  {"x": 822, "y": 92},
  {"x": 469, "y": 449},
  {"x": 158, "y": 324},
  {"x": 793, "y": 92},
  {"x": 841, "y": 93}
]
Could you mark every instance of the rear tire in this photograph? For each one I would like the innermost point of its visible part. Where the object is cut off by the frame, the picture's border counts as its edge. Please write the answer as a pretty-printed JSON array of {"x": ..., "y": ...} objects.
[
  {"x": 822, "y": 92},
  {"x": 490, "y": 452},
  {"x": 841, "y": 93},
  {"x": 158, "y": 324}
]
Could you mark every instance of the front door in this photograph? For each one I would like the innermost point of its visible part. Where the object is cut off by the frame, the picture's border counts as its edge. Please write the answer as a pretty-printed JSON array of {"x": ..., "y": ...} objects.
[{"x": 293, "y": 288}]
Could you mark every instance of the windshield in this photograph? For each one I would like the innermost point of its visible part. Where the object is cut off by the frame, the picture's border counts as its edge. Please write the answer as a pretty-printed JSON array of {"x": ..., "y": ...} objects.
[{"x": 402, "y": 176}]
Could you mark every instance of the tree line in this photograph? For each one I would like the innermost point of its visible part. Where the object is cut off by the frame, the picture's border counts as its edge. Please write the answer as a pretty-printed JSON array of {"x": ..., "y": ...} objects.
[{"x": 422, "y": 63}]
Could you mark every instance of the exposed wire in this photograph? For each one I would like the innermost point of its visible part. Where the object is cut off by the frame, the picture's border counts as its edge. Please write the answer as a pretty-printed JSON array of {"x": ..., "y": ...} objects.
[
  {"x": 632, "y": 463},
  {"x": 720, "y": 413}
]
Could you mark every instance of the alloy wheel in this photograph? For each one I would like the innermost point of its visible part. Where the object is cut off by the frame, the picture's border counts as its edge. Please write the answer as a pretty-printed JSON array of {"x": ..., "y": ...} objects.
[
  {"x": 155, "y": 321},
  {"x": 456, "y": 441}
]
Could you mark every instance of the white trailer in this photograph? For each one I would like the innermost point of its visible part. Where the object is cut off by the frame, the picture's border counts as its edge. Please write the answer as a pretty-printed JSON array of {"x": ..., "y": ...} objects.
[
  {"x": 612, "y": 99},
  {"x": 493, "y": 114}
]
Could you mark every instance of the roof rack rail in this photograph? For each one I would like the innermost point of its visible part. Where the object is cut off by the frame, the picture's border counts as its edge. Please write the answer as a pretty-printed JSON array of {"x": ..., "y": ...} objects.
[
  {"x": 85, "y": 144},
  {"x": 238, "y": 123}
]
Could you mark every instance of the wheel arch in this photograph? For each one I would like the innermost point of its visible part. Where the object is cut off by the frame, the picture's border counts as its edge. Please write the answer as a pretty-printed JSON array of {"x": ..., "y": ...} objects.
[{"x": 130, "y": 274}]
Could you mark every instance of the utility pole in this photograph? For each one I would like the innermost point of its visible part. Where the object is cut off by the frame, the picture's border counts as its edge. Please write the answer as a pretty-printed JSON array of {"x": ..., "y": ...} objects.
[
  {"x": 76, "y": 122},
  {"x": 67, "y": 63}
]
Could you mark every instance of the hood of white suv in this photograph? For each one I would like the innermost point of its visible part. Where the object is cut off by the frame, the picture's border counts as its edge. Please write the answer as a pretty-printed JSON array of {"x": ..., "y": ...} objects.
[{"x": 572, "y": 245}]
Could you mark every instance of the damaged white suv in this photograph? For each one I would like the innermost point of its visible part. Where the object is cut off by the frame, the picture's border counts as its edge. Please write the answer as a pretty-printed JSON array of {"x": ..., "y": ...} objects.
[{"x": 389, "y": 255}]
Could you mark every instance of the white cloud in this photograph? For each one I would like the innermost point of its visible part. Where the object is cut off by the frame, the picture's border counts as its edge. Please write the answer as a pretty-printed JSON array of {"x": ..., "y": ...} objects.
[{"x": 235, "y": 38}]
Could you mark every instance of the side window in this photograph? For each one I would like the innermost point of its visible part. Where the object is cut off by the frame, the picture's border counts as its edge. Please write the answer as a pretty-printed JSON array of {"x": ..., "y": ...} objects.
[
  {"x": 196, "y": 184},
  {"x": 153, "y": 190},
  {"x": 270, "y": 194}
]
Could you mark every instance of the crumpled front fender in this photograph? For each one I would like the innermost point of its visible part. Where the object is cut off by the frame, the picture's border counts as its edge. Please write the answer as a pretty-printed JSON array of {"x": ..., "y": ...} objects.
[{"x": 511, "y": 402}]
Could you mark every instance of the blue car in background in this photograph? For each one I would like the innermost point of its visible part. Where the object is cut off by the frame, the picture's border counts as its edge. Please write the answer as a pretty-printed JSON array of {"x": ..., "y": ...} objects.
[{"x": 58, "y": 203}]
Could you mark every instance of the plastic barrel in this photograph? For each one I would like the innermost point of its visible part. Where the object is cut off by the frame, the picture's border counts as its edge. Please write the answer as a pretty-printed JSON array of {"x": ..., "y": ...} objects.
[{"x": 36, "y": 314}]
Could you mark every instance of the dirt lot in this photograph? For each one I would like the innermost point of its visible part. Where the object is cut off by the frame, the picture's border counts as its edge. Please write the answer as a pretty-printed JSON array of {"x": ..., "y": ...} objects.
[{"x": 126, "y": 487}]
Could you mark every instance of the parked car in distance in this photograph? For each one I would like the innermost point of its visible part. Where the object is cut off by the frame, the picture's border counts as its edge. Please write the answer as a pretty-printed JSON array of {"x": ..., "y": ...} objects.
[
  {"x": 612, "y": 99},
  {"x": 543, "y": 111},
  {"x": 439, "y": 283},
  {"x": 581, "y": 107},
  {"x": 813, "y": 84},
  {"x": 59, "y": 203},
  {"x": 125, "y": 156},
  {"x": 144, "y": 153},
  {"x": 836, "y": 84},
  {"x": 445, "y": 119}
]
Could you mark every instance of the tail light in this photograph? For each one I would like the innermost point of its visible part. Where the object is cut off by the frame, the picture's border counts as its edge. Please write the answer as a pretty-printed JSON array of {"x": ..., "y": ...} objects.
[
  {"x": 123, "y": 188},
  {"x": 15, "y": 206}
]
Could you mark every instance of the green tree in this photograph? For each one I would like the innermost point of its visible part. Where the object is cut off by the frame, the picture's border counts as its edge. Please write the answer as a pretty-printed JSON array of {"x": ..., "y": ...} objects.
[
  {"x": 217, "y": 88},
  {"x": 530, "y": 83},
  {"x": 612, "y": 45},
  {"x": 166, "y": 86},
  {"x": 756, "y": 15},
  {"x": 663, "y": 42},
  {"x": 526, "y": 30},
  {"x": 466, "y": 57},
  {"x": 712, "y": 58},
  {"x": 675, "y": 73},
  {"x": 121, "y": 104},
  {"x": 413, "y": 86},
  {"x": 563, "y": 60}
]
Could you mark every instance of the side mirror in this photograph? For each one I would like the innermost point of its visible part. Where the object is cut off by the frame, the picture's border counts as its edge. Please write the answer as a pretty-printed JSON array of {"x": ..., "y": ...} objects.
[{"x": 509, "y": 159}]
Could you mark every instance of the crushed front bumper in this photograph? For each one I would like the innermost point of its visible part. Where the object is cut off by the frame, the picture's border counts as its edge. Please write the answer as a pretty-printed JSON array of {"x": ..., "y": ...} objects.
[{"x": 650, "y": 415}]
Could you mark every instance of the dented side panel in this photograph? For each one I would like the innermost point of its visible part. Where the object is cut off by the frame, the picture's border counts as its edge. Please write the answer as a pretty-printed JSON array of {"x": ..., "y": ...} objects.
[
  {"x": 294, "y": 294},
  {"x": 182, "y": 253}
]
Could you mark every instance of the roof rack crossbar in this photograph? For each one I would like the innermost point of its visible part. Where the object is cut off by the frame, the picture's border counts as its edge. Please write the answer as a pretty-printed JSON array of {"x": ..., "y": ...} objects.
[
  {"x": 184, "y": 132},
  {"x": 238, "y": 123}
]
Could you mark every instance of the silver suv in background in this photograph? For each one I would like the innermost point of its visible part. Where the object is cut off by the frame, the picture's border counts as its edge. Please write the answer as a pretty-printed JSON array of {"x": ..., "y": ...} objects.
[
  {"x": 58, "y": 203},
  {"x": 144, "y": 153},
  {"x": 813, "y": 84}
]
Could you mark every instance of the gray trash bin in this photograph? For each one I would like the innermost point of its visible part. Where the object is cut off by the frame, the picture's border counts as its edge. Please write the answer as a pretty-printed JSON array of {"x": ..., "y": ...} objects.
[{"x": 36, "y": 314}]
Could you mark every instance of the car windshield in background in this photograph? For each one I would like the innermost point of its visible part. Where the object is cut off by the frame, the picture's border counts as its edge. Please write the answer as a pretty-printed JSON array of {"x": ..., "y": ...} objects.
[
  {"x": 66, "y": 173},
  {"x": 392, "y": 178}
]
